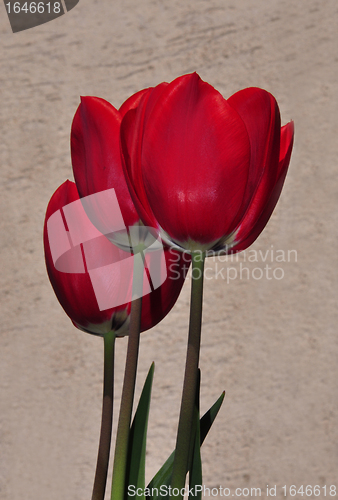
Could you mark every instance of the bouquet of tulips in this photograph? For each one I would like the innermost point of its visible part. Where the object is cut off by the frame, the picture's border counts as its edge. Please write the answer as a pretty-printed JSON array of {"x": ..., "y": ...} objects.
[{"x": 177, "y": 174}]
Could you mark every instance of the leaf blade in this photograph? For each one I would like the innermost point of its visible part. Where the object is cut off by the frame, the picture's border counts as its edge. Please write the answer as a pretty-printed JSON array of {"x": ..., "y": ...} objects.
[{"x": 137, "y": 439}]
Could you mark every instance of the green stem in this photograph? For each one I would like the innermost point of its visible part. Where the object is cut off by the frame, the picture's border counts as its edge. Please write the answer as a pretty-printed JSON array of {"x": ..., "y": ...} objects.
[
  {"x": 107, "y": 418},
  {"x": 127, "y": 398},
  {"x": 180, "y": 466}
]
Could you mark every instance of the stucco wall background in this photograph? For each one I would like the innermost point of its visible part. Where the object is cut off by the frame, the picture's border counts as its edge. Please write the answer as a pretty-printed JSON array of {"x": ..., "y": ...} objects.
[{"x": 272, "y": 345}]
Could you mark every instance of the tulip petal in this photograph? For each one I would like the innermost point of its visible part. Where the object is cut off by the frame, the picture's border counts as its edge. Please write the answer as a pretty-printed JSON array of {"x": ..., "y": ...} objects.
[
  {"x": 160, "y": 301},
  {"x": 131, "y": 146},
  {"x": 93, "y": 281},
  {"x": 131, "y": 149},
  {"x": 286, "y": 144},
  {"x": 96, "y": 158},
  {"x": 248, "y": 232},
  {"x": 74, "y": 290},
  {"x": 132, "y": 101},
  {"x": 259, "y": 111},
  {"x": 195, "y": 160}
]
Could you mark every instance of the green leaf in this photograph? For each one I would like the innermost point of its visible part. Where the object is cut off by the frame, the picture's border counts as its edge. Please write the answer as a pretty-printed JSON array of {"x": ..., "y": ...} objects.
[
  {"x": 195, "y": 472},
  {"x": 195, "y": 420},
  {"x": 163, "y": 476},
  {"x": 208, "y": 418},
  {"x": 195, "y": 468},
  {"x": 137, "y": 439}
]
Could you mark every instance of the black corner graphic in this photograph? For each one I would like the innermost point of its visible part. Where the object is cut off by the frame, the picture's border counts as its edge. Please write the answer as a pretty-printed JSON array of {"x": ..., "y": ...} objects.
[
  {"x": 24, "y": 15},
  {"x": 70, "y": 4}
]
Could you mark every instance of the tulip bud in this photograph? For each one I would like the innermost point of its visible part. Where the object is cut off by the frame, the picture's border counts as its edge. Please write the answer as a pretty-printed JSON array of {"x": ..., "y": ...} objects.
[{"x": 92, "y": 278}]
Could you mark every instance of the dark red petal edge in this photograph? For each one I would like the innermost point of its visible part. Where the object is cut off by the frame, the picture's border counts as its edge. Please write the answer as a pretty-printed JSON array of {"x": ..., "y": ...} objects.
[{"x": 246, "y": 235}]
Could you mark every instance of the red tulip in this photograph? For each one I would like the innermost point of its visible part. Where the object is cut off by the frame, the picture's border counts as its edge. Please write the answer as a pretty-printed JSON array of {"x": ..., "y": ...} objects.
[
  {"x": 89, "y": 277},
  {"x": 204, "y": 171},
  {"x": 96, "y": 159}
]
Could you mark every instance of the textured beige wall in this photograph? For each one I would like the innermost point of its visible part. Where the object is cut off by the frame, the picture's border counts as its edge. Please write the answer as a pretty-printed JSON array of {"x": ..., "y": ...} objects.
[{"x": 271, "y": 344}]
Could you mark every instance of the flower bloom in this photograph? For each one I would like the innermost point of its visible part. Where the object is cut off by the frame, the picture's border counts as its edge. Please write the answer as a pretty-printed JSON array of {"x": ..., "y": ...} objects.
[
  {"x": 93, "y": 280},
  {"x": 204, "y": 171},
  {"x": 96, "y": 158}
]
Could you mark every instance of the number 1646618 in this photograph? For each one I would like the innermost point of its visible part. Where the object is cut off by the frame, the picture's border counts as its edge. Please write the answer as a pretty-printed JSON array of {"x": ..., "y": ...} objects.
[{"x": 34, "y": 7}]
